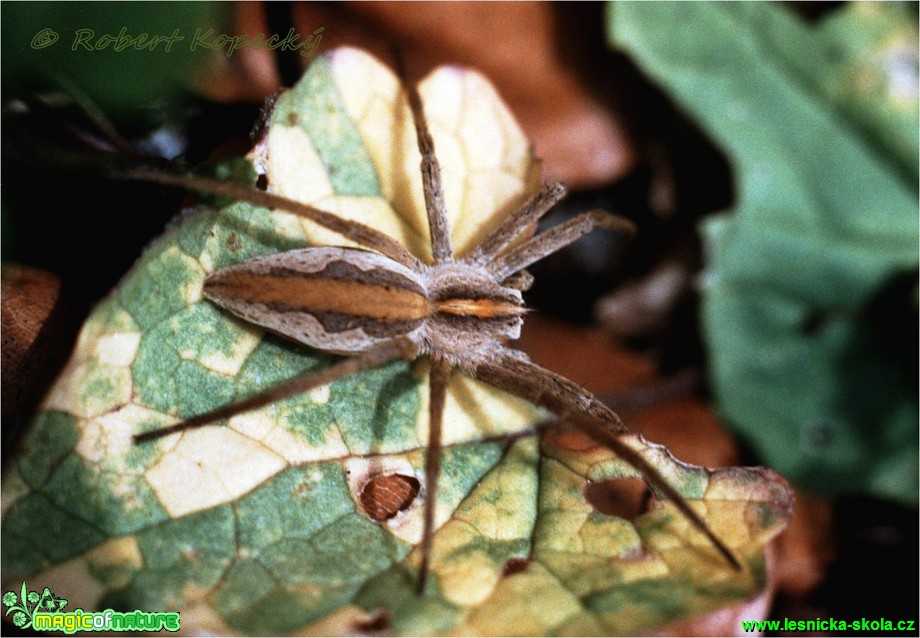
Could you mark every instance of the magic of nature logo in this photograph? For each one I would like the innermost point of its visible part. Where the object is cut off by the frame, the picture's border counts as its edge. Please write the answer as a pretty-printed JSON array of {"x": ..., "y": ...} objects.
[{"x": 45, "y": 612}]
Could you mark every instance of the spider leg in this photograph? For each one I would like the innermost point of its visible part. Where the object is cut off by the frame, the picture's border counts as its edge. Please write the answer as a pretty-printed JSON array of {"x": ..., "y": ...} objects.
[
  {"x": 521, "y": 280},
  {"x": 512, "y": 372},
  {"x": 355, "y": 231},
  {"x": 385, "y": 352},
  {"x": 516, "y": 224},
  {"x": 441, "y": 247},
  {"x": 438, "y": 379},
  {"x": 536, "y": 248}
]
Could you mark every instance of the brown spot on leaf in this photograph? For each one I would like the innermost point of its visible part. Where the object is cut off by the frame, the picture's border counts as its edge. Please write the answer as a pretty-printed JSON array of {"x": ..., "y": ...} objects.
[
  {"x": 301, "y": 490},
  {"x": 383, "y": 497},
  {"x": 515, "y": 566},
  {"x": 624, "y": 498},
  {"x": 233, "y": 242},
  {"x": 376, "y": 623}
]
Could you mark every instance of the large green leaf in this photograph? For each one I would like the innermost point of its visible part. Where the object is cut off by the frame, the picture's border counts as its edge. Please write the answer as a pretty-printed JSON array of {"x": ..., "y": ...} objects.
[
  {"x": 262, "y": 525},
  {"x": 820, "y": 124}
]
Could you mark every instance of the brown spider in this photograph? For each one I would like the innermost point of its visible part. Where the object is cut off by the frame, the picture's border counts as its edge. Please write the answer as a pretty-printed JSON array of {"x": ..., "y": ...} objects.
[{"x": 380, "y": 303}]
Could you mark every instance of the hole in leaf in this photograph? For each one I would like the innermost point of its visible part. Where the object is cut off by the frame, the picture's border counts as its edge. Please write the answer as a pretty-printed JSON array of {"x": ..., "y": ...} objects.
[
  {"x": 623, "y": 498},
  {"x": 376, "y": 623},
  {"x": 383, "y": 497},
  {"x": 262, "y": 182},
  {"x": 515, "y": 566}
]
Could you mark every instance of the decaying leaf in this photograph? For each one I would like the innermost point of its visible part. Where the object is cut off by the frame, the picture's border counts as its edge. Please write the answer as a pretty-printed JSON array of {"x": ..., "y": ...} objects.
[
  {"x": 302, "y": 517},
  {"x": 34, "y": 327}
]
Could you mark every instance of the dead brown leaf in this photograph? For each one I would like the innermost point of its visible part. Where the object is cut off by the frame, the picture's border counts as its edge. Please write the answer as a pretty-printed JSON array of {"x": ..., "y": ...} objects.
[{"x": 520, "y": 46}]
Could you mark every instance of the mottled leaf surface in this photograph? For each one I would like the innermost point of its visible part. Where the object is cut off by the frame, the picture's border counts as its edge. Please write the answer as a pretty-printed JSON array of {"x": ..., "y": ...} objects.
[
  {"x": 257, "y": 526},
  {"x": 808, "y": 291}
]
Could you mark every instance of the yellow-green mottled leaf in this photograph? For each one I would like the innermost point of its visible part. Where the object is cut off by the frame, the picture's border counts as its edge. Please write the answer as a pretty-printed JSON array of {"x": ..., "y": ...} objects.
[{"x": 256, "y": 526}]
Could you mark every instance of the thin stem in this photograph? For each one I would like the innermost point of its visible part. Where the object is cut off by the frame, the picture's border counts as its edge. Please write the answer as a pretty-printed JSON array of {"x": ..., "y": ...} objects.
[
  {"x": 438, "y": 380},
  {"x": 96, "y": 116},
  {"x": 554, "y": 239},
  {"x": 355, "y": 231},
  {"x": 377, "y": 356}
]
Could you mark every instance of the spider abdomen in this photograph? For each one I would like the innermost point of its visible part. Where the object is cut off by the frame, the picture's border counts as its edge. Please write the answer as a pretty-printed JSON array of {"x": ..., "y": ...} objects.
[
  {"x": 338, "y": 299},
  {"x": 346, "y": 300}
]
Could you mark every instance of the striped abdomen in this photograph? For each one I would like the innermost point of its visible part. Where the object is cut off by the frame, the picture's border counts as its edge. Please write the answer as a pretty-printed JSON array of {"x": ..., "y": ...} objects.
[
  {"x": 346, "y": 300},
  {"x": 335, "y": 299}
]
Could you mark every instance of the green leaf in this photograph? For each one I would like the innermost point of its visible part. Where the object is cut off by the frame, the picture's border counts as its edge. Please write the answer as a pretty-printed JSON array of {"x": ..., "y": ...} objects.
[
  {"x": 798, "y": 311},
  {"x": 875, "y": 85},
  {"x": 259, "y": 525}
]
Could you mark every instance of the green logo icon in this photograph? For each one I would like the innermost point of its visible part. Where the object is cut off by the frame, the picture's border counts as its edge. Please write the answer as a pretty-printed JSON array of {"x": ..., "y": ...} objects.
[
  {"x": 45, "y": 612},
  {"x": 24, "y": 606}
]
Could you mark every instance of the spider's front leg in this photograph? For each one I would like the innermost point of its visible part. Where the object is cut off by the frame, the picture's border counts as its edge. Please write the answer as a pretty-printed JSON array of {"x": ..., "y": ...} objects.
[
  {"x": 357, "y": 232},
  {"x": 512, "y": 372}
]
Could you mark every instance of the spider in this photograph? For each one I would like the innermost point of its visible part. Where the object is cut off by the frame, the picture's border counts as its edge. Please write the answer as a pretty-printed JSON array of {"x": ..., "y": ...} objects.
[{"x": 379, "y": 303}]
